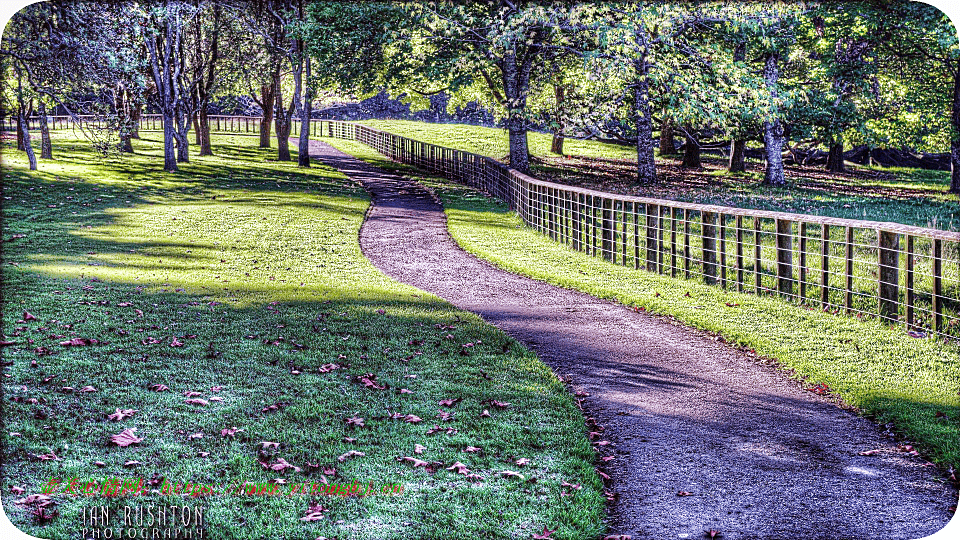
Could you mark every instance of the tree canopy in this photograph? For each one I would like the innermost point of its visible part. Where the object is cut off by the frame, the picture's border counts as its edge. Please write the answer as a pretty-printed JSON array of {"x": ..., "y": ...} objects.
[{"x": 790, "y": 77}]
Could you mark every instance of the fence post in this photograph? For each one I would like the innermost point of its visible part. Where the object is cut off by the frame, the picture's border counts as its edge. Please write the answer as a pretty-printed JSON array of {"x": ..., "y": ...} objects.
[
  {"x": 673, "y": 242},
  {"x": 651, "y": 219},
  {"x": 937, "y": 284},
  {"x": 785, "y": 257},
  {"x": 686, "y": 243},
  {"x": 709, "y": 245},
  {"x": 825, "y": 266},
  {"x": 636, "y": 235},
  {"x": 803, "y": 261},
  {"x": 889, "y": 274},
  {"x": 739, "y": 253},
  {"x": 722, "y": 226},
  {"x": 910, "y": 293},
  {"x": 577, "y": 216},
  {"x": 606, "y": 226},
  {"x": 848, "y": 296},
  {"x": 757, "y": 253}
]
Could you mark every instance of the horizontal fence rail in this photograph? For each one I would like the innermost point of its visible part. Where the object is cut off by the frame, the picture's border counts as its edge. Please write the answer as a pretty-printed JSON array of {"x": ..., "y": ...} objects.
[{"x": 901, "y": 274}]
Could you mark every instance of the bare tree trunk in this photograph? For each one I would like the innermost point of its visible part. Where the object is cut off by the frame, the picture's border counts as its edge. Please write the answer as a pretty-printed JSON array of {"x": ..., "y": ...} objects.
[
  {"x": 515, "y": 92},
  {"x": 267, "y": 92},
  {"x": 196, "y": 129},
  {"x": 169, "y": 153},
  {"x": 135, "y": 122},
  {"x": 20, "y": 145},
  {"x": 283, "y": 129},
  {"x": 738, "y": 155},
  {"x": 183, "y": 138},
  {"x": 28, "y": 148},
  {"x": 556, "y": 145},
  {"x": 691, "y": 150},
  {"x": 835, "y": 157},
  {"x": 773, "y": 128},
  {"x": 668, "y": 146},
  {"x": 646, "y": 164},
  {"x": 303, "y": 150},
  {"x": 206, "y": 148},
  {"x": 46, "y": 148}
]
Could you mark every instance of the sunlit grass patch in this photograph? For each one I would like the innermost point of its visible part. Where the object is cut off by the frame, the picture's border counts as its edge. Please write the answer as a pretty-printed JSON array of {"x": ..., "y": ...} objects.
[{"x": 241, "y": 279}]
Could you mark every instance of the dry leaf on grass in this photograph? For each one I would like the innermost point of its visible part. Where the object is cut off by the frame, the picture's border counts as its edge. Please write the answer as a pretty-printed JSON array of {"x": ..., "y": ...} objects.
[
  {"x": 125, "y": 438},
  {"x": 345, "y": 456},
  {"x": 413, "y": 461},
  {"x": 121, "y": 414}
]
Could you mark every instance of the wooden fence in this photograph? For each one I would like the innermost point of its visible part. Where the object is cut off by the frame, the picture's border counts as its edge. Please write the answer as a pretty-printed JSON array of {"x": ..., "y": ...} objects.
[{"x": 902, "y": 274}]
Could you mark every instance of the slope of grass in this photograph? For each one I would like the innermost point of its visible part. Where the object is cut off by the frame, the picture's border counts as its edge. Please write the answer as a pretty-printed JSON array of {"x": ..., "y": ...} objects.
[
  {"x": 240, "y": 282},
  {"x": 889, "y": 376}
]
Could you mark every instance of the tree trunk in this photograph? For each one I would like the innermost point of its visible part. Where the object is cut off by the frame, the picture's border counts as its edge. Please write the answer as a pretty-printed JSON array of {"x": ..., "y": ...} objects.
[
  {"x": 303, "y": 150},
  {"x": 169, "y": 155},
  {"x": 196, "y": 129},
  {"x": 27, "y": 147},
  {"x": 183, "y": 139},
  {"x": 515, "y": 90},
  {"x": 738, "y": 156},
  {"x": 668, "y": 146},
  {"x": 206, "y": 149},
  {"x": 283, "y": 129},
  {"x": 556, "y": 145},
  {"x": 135, "y": 122},
  {"x": 955, "y": 134},
  {"x": 646, "y": 164},
  {"x": 20, "y": 145},
  {"x": 46, "y": 149},
  {"x": 835, "y": 157},
  {"x": 773, "y": 128},
  {"x": 267, "y": 92},
  {"x": 691, "y": 151}
]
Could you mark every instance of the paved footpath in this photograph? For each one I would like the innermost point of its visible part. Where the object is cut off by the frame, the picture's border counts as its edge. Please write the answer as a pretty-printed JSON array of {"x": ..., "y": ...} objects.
[{"x": 761, "y": 457}]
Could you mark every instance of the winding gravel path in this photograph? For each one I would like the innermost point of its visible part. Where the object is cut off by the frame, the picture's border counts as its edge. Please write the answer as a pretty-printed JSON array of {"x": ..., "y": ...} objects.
[{"x": 761, "y": 457}]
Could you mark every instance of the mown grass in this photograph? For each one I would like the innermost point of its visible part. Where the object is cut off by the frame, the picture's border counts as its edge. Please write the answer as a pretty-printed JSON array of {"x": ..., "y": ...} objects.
[
  {"x": 239, "y": 278},
  {"x": 891, "y": 377},
  {"x": 901, "y": 195}
]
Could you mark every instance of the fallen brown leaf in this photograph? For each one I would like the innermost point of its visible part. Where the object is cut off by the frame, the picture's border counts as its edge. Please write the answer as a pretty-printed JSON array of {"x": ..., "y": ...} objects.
[{"x": 125, "y": 438}]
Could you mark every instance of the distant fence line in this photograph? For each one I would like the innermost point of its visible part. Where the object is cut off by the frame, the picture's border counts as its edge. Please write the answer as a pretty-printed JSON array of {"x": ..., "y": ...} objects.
[{"x": 902, "y": 274}]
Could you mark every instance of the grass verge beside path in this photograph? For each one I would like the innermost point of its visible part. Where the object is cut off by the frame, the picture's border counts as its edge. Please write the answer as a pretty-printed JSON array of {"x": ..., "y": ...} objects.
[
  {"x": 889, "y": 376},
  {"x": 284, "y": 357}
]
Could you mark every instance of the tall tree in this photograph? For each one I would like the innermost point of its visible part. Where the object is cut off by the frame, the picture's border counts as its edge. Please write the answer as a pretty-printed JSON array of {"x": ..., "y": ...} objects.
[{"x": 164, "y": 30}]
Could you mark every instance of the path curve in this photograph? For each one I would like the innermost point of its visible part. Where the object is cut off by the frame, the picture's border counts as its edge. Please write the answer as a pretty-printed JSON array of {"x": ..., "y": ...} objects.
[{"x": 761, "y": 457}]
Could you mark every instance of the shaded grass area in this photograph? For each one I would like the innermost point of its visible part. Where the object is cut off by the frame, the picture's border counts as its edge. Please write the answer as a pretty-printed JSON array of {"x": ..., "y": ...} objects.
[
  {"x": 913, "y": 384},
  {"x": 901, "y": 195},
  {"x": 240, "y": 282}
]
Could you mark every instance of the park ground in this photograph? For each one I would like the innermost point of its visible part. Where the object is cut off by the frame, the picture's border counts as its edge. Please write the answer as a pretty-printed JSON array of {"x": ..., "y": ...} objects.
[
  {"x": 185, "y": 281},
  {"x": 239, "y": 286}
]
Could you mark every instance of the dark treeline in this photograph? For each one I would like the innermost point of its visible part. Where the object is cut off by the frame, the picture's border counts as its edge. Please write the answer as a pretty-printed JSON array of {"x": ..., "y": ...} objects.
[{"x": 791, "y": 78}]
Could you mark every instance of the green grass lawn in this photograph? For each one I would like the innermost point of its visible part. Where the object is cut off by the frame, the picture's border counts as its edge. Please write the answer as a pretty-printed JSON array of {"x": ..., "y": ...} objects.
[
  {"x": 902, "y": 195},
  {"x": 887, "y": 375},
  {"x": 239, "y": 282}
]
